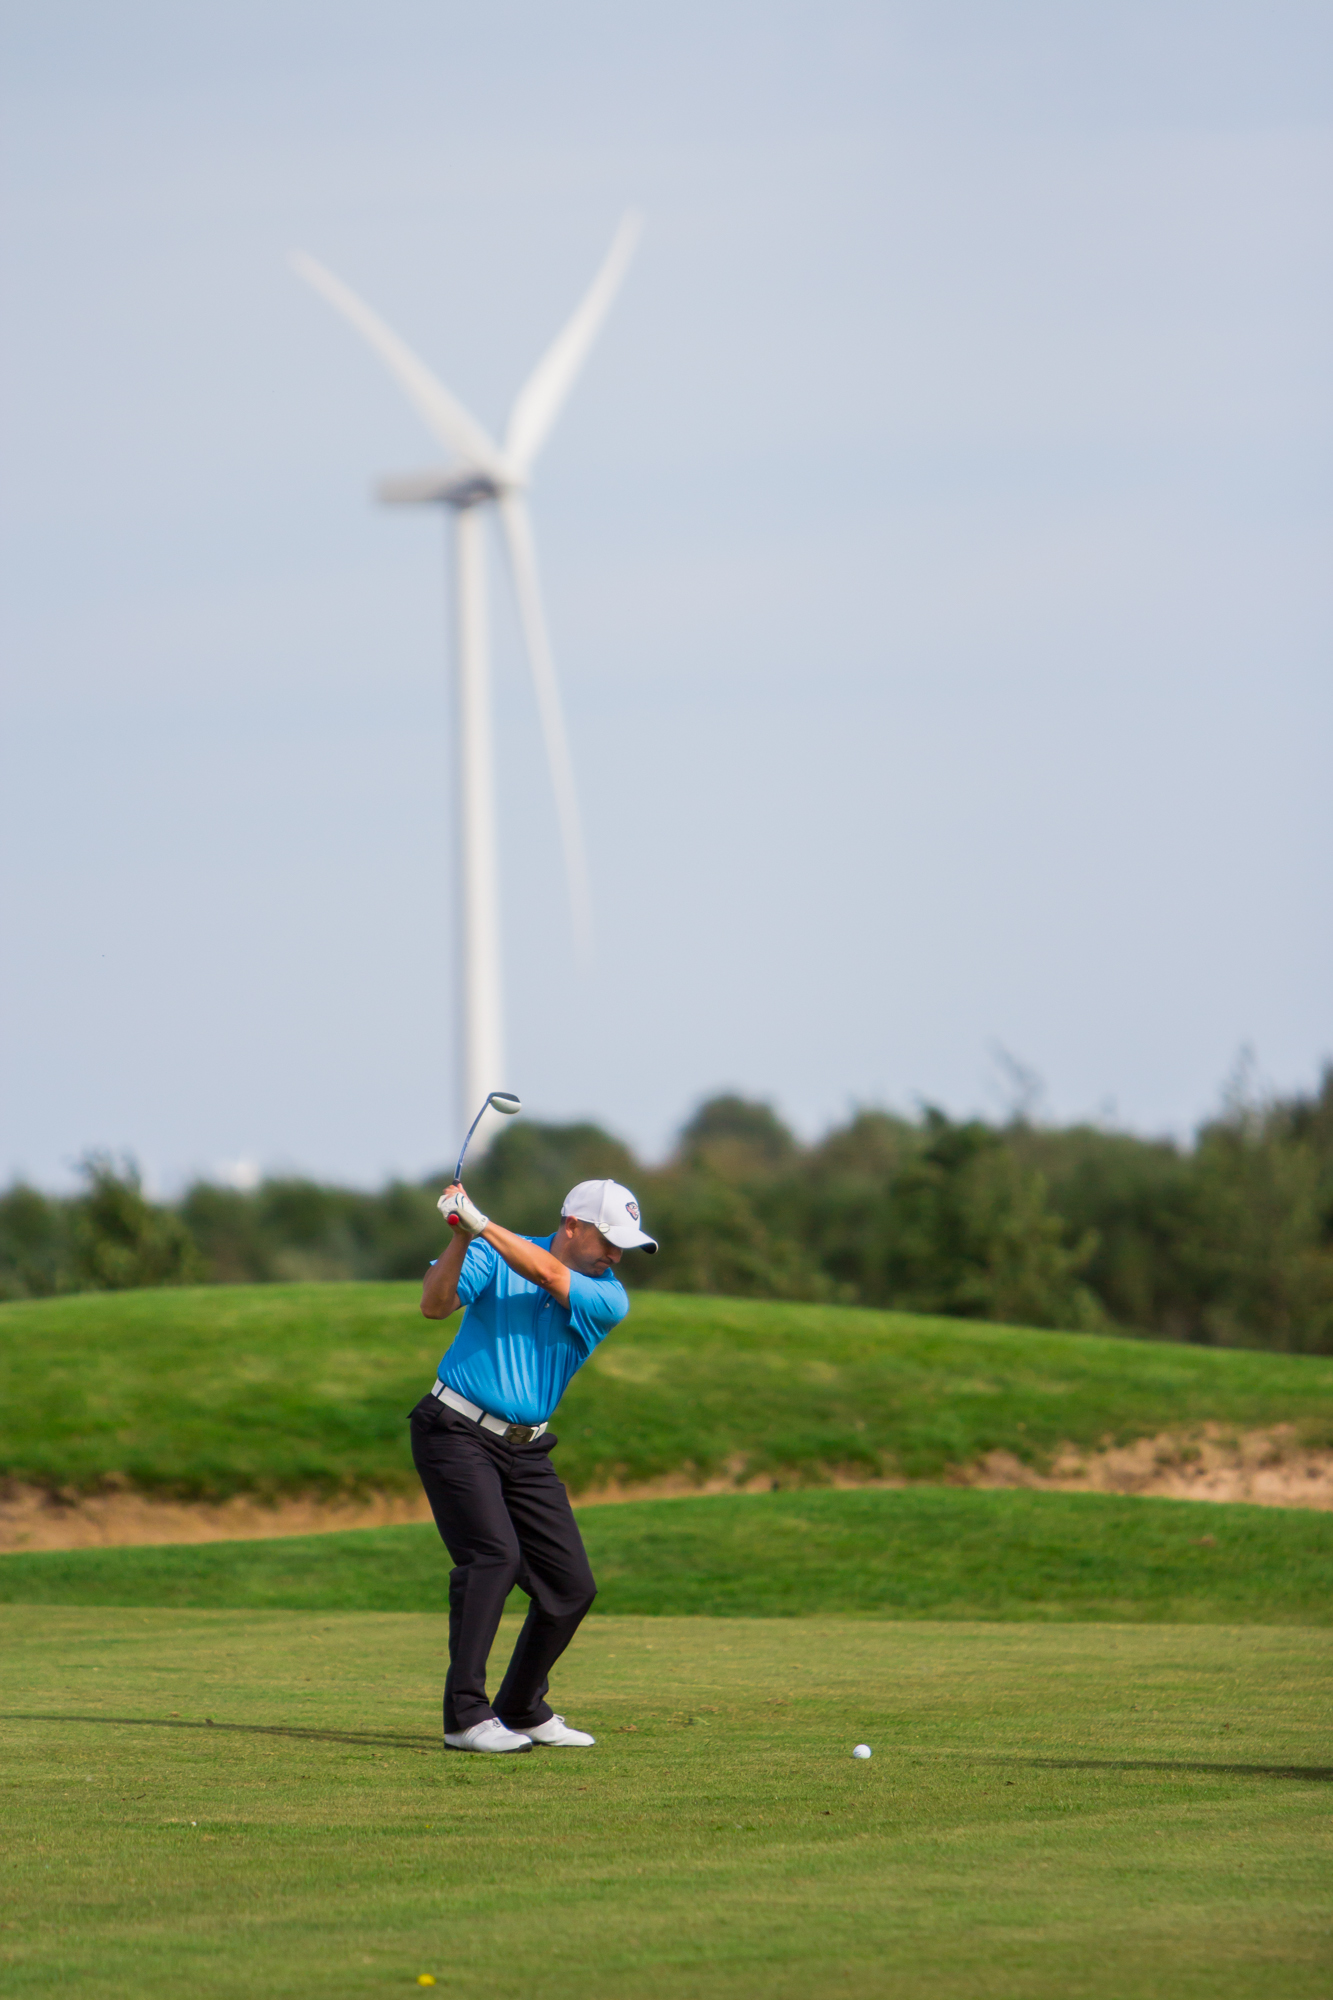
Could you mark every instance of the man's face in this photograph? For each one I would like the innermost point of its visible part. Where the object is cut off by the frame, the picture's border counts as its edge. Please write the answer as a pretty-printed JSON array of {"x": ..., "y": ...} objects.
[{"x": 589, "y": 1251}]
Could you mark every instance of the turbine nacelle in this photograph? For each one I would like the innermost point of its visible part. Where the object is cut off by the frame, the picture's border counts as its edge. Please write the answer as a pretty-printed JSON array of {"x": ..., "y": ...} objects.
[{"x": 448, "y": 485}]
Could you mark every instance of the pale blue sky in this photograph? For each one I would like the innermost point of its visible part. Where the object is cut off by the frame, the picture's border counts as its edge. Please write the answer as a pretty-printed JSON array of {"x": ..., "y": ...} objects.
[{"x": 936, "y": 552}]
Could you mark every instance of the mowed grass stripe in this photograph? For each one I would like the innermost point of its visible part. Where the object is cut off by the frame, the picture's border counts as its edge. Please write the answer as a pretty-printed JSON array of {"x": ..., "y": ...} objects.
[
  {"x": 917, "y": 1552},
  {"x": 277, "y": 1389}
]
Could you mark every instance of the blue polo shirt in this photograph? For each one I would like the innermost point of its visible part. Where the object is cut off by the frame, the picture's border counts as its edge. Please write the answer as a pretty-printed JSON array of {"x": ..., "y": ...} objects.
[{"x": 518, "y": 1348}]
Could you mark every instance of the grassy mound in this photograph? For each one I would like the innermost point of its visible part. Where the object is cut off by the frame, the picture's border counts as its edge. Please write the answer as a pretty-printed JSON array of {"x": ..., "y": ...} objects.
[
  {"x": 915, "y": 1552},
  {"x": 284, "y": 1388},
  {"x": 256, "y": 1803}
]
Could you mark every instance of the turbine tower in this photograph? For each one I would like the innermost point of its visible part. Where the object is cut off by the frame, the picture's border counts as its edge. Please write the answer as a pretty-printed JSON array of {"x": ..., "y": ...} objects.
[{"x": 482, "y": 474}]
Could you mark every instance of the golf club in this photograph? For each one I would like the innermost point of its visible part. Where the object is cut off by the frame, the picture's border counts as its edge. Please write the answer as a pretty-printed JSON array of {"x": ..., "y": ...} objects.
[{"x": 503, "y": 1101}]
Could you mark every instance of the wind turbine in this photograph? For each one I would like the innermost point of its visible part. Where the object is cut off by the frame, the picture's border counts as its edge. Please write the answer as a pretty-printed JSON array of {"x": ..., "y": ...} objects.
[{"x": 481, "y": 474}]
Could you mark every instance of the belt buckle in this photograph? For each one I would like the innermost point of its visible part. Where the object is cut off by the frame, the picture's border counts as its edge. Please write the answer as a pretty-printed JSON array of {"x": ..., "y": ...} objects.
[{"x": 520, "y": 1433}]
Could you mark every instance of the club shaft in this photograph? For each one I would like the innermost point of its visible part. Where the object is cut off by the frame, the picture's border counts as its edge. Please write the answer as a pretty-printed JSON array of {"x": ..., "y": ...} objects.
[{"x": 458, "y": 1170}]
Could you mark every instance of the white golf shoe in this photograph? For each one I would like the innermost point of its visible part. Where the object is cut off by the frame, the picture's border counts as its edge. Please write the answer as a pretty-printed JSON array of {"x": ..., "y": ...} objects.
[
  {"x": 557, "y": 1735},
  {"x": 490, "y": 1736}
]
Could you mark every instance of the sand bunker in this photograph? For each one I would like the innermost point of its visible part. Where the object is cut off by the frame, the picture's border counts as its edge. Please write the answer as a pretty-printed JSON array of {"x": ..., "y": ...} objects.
[
  {"x": 33, "y": 1519},
  {"x": 1267, "y": 1468}
]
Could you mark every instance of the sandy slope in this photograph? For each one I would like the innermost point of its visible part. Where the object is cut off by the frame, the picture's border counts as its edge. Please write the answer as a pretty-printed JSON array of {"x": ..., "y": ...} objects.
[{"x": 1266, "y": 1468}]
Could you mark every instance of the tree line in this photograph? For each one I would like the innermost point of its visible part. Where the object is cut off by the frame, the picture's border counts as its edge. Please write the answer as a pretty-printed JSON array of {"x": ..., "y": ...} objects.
[{"x": 1227, "y": 1240}]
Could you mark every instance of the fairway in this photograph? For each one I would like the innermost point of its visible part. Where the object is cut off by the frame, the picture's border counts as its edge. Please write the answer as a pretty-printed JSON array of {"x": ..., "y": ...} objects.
[
  {"x": 223, "y": 1772},
  {"x": 241, "y": 1803}
]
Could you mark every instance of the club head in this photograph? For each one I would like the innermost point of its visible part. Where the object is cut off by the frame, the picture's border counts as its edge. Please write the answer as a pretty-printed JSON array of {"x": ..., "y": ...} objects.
[{"x": 504, "y": 1101}]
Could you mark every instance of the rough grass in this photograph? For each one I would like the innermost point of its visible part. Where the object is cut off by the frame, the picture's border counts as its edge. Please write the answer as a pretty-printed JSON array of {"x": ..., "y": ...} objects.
[
  {"x": 932, "y": 1552},
  {"x": 298, "y": 1388},
  {"x": 1051, "y": 1813}
]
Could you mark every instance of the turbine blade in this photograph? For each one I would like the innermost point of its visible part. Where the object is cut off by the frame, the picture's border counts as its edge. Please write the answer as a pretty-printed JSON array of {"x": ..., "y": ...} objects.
[
  {"x": 542, "y": 396},
  {"x": 442, "y": 413},
  {"x": 523, "y": 563}
]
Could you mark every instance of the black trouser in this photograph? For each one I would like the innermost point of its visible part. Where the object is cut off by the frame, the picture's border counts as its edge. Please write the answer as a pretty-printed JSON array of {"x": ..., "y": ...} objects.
[{"x": 505, "y": 1518}]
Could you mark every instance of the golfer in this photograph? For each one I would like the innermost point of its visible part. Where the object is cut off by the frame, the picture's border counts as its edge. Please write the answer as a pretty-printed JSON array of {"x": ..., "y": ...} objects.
[{"x": 537, "y": 1306}]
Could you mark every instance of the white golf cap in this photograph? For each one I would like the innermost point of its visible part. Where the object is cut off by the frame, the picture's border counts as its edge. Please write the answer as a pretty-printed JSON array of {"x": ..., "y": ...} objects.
[{"x": 610, "y": 1208}]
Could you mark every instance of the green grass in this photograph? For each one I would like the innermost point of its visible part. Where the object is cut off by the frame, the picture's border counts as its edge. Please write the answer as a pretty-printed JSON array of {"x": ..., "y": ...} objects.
[
  {"x": 1051, "y": 1813},
  {"x": 918, "y": 1552},
  {"x": 284, "y": 1388}
]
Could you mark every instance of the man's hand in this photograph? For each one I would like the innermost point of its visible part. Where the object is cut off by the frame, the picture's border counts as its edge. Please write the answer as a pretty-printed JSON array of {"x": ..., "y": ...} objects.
[{"x": 460, "y": 1211}]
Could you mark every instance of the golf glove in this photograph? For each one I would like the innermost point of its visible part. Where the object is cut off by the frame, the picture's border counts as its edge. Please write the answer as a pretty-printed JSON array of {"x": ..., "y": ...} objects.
[{"x": 461, "y": 1213}]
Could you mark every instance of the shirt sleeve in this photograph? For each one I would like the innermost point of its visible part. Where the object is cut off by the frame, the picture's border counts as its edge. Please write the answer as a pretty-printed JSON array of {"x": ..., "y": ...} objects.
[
  {"x": 595, "y": 1306},
  {"x": 478, "y": 1270}
]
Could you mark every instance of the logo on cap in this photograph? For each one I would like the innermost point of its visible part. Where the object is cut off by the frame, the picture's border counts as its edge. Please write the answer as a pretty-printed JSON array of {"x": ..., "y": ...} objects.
[{"x": 632, "y": 1208}]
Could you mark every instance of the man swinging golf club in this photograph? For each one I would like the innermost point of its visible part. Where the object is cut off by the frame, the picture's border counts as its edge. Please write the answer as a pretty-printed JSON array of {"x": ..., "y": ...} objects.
[{"x": 537, "y": 1306}]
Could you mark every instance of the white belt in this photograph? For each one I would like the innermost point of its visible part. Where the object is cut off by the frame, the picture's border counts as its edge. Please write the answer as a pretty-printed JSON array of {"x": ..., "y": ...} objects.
[{"x": 511, "y": 1433}]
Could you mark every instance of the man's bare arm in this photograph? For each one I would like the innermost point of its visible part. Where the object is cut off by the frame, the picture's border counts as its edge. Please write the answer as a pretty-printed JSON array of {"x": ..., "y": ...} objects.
[
  {"x": 538, "y": 1266},
  {"x": 439, "y": 1291}
]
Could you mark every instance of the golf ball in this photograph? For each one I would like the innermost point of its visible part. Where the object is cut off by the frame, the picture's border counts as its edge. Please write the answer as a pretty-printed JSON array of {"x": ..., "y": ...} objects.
[{"x": 863, "y": 1750}]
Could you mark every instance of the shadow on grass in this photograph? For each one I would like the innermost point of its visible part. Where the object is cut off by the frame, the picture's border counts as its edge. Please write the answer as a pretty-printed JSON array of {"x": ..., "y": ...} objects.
[
  {"x": 1311, "y": 1774},
  {"x": 380, "y": 1739}
]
